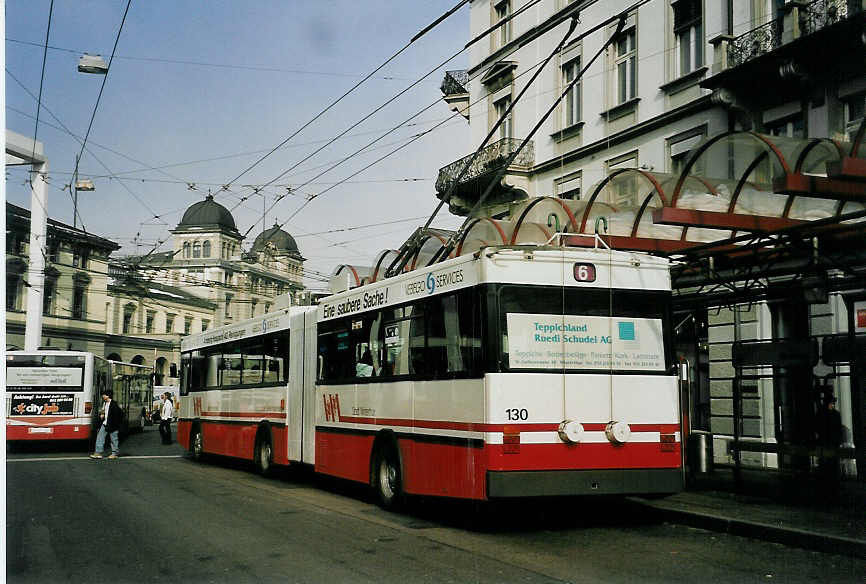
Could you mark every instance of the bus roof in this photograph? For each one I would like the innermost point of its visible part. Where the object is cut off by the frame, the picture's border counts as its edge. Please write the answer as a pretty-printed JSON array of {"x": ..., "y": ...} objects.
[
  {"x": 528, "y": 265},
  {"x": 273, "y": 321}
]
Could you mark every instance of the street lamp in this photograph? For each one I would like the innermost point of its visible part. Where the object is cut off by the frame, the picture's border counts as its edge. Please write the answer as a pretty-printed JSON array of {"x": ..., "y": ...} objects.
[{"x": 92, "y": 64}]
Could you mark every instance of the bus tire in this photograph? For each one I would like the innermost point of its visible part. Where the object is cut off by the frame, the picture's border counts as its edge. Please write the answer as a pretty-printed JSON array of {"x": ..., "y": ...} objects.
[
  {"x": 196, "y": 444},
  {"x": 385, "y": 476},
  {"x": 263, "y": 453}
]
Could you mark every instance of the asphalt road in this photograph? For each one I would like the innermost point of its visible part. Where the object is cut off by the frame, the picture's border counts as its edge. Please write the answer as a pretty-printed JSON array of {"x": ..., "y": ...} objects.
[{"x": 155, "y": 515}]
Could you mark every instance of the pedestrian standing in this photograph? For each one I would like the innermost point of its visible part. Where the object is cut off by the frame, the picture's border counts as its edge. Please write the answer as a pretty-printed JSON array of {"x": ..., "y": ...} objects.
[
  {"x": 111, "y": 417},
  {"x": 829, "y": 438},
  {"x": 165, "y": 418}
]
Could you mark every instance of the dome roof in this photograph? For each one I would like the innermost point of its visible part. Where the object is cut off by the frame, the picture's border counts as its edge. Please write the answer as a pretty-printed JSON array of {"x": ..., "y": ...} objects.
[
  {"x": 207, "y": 214},
  {"x": 282, "y": 241}
]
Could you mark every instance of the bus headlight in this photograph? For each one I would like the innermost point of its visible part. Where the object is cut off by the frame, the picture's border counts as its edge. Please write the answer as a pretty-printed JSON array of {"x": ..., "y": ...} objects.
[
  {"x": 571, "y": 431},
  {"x": 617, "y": 432}
]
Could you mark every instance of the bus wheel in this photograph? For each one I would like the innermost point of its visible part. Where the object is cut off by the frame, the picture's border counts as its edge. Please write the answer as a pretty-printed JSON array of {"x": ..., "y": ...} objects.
[
  {"x": 263, "y": 455},
  {"x": 385, "y": 477},
  {"x": 196, "y": 446}
]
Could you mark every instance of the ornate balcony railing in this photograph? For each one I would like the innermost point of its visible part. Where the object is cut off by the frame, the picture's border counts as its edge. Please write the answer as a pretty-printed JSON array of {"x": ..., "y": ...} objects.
[
  {"x": 455, "y": 83},
  {"x": 755, "y": 43},
  {"x": 822, "y": 13},
  {"x": 491, "y": 159}
]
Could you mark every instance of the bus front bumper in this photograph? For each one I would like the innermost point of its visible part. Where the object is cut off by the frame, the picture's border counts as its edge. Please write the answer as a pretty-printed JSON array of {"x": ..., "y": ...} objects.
[{"x": 557, "y": 483}]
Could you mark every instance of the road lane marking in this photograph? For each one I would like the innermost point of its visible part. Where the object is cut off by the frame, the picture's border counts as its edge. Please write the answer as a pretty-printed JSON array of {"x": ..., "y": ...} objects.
[{"x": 62, "y": 458}]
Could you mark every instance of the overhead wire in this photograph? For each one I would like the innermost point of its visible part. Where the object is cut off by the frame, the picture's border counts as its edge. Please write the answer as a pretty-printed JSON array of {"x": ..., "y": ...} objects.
[{"x": 352, "y": 89}]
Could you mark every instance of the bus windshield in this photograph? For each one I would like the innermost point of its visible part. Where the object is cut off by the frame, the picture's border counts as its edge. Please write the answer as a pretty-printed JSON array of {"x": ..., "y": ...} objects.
[{"x": 582, "y": 329}]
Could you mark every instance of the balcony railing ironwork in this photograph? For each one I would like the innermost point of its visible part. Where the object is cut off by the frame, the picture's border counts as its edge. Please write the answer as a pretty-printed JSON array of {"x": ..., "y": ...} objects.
[
  {"x": 491, "y": 159},
  {"x": 755, "y": 43},
  {"x": 822, "y": 13},
  {"x": 455, "y": 83}
]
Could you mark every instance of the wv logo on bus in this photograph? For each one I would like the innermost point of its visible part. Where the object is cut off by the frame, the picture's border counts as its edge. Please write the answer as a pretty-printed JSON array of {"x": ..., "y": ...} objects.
[{"x": 332, "y": 407}]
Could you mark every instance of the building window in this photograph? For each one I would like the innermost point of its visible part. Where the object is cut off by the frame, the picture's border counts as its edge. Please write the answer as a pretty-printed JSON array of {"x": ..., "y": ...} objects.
[
  {"x": 205, "y": 324},
  {"x": 187, "y": 325},
  {"x": 13, "y": 287},
  {"x": 267, "y": 307},
  {"x": 228, "y": 306},
  {"x": 223, "y": 250},
  {"x": 205, "y": 249},
  {"x": 568, "y": 186},
  {"x": 228, "y": 278},
  {"x": 54, "y": 251},
  {"x": 681, "y": 145},
  {"x": 80, "y": 257},
  {"x": 128, "y": 313},
  {"x": 502, "y": 11},
  {"x": 169, "y": 323},
  {"x": 186, "y": 248},
  {"x": 148, "y": 323},
  {"x": 688, "y": 31},
  {"x": 792, "y": 127},
  {"x": 196, "y": 250},
  {"x": 626, "y": 67},
  {"x": 854, "y": 111},
  {"x": 623, "y": 192},
  {"x": 14, "y": 243},
  {"x": 79, "y": 301},
  {"x": 49, "y": 292},
  {"x": 506, "y": 128},
  {"x": 570, "y": 71}
]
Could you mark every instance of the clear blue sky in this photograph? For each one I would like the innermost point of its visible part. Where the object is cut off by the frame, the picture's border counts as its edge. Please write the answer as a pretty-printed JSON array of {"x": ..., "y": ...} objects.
[{"x": 253, "y": 73}]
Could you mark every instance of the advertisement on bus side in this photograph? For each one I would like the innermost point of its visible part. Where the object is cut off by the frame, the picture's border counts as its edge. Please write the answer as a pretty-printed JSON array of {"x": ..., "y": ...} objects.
[
  {"x": 42, "y": 404},
  {"x": 23, "y": 377}
]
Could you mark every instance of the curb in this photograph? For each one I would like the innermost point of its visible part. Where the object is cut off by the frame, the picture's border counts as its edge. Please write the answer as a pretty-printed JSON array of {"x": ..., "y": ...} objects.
[{"x": 786, "y": 535}]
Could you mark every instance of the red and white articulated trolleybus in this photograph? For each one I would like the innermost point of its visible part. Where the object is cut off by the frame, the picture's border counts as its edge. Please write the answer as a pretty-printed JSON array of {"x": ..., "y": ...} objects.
[
  {"x": 56, "y": 395},
  {"x": 512, "y": 372}
]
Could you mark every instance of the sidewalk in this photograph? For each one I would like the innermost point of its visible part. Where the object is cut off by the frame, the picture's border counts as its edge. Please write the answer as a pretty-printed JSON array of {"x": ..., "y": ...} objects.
[{"x": 773, "y": 507}]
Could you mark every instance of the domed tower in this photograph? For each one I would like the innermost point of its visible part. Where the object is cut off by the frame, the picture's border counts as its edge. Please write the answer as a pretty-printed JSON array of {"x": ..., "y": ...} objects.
[
  {"x": 278, "y": 251},
  {"x": 206, "y": 231}
]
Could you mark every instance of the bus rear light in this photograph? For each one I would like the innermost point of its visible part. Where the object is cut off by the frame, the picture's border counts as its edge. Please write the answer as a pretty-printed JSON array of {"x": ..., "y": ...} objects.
[
  {"x": 571, "y": 431},
  {"x": 88, "y": 406},
  {"x": 511, "y": 443},
  {"x": 668, "y": 442},
  {"x": 617, "y": 432}
]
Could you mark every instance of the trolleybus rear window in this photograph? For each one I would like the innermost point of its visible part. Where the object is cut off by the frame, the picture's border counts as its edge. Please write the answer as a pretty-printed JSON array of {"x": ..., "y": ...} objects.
[{"x": 577, "y": 329}]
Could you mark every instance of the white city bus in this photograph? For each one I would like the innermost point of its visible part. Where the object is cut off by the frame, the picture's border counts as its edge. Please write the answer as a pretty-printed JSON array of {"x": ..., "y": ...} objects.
[
  {"x": 55, "y": 395},
  {"x": 512, "y": 372}
]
